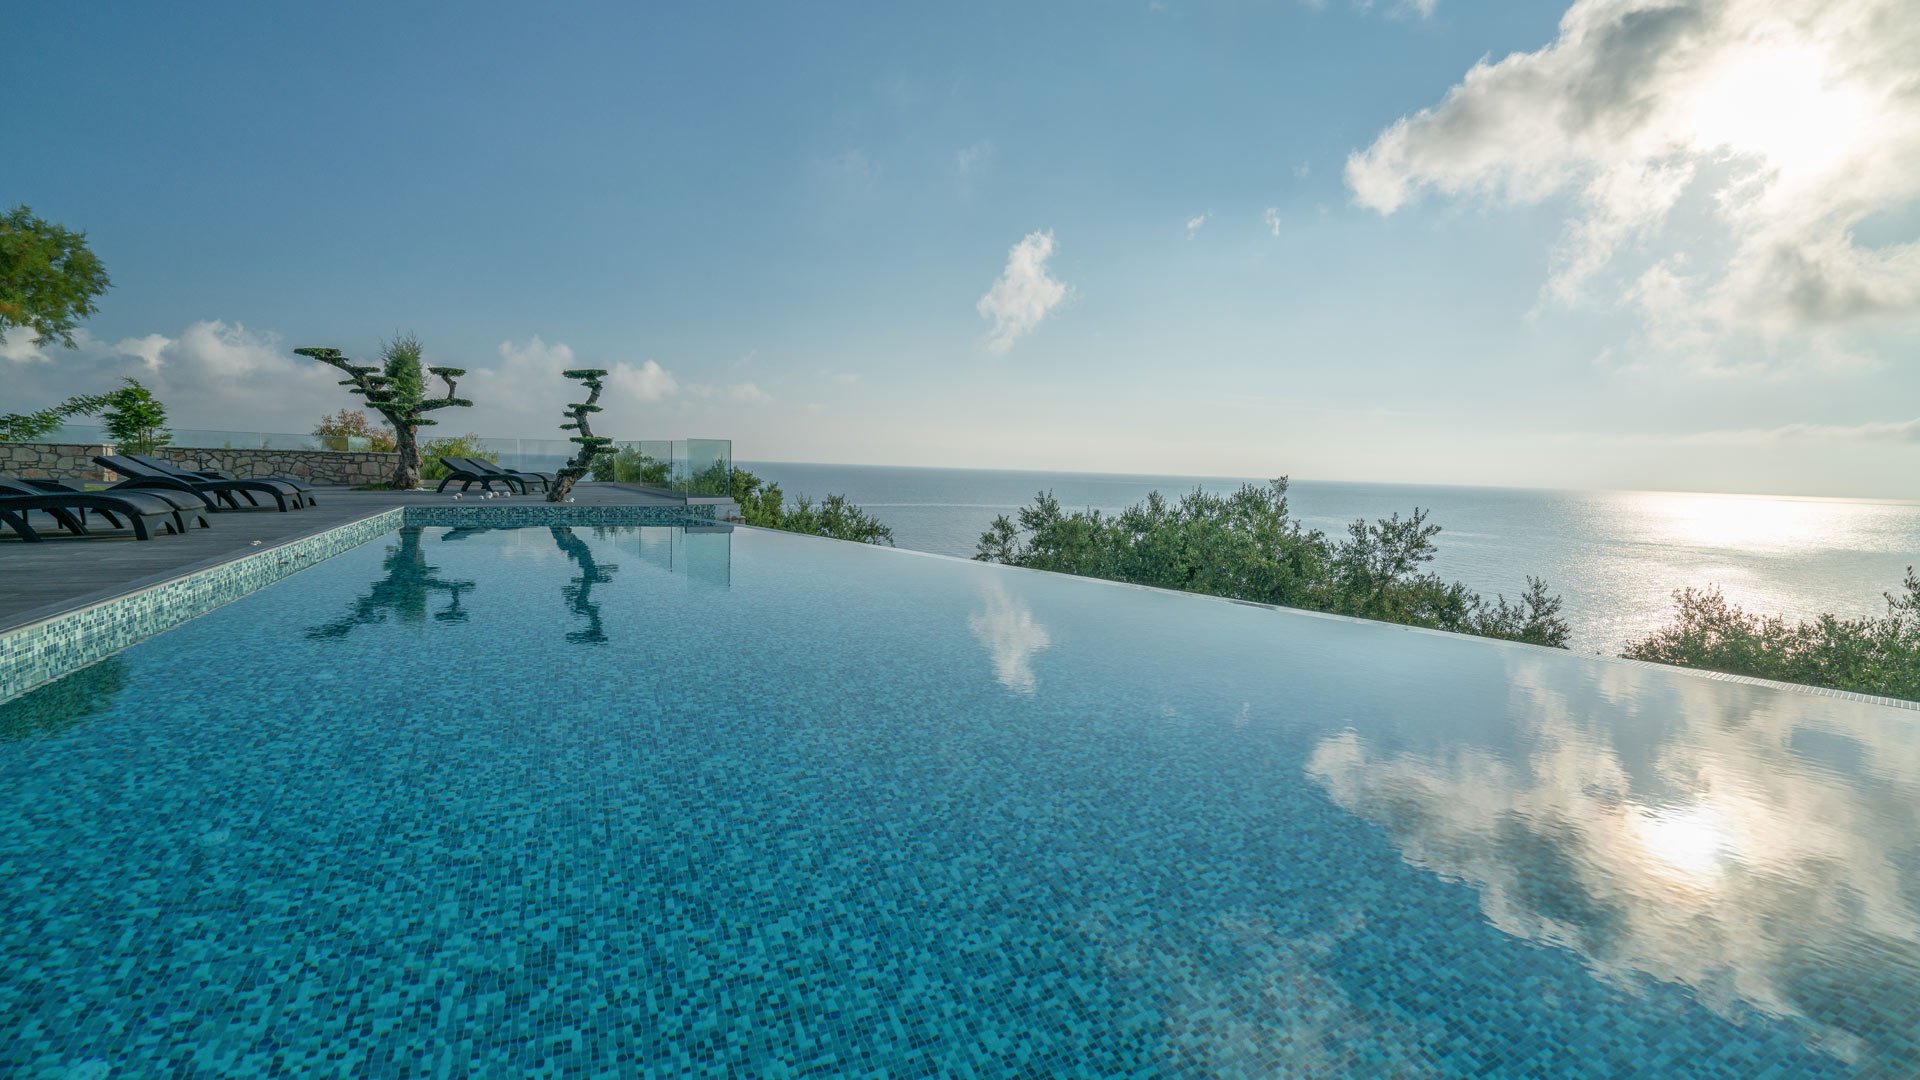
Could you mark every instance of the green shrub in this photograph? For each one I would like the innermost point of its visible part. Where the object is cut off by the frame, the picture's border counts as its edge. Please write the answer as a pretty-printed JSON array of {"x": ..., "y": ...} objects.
[
  {"x": 764, "y": 505},
  {"x": 467, "y": 445},
  {"x": 1875, "y": 655},
  {"x": 1245, "y": 545},
  {"x": 630, "y": 466}
]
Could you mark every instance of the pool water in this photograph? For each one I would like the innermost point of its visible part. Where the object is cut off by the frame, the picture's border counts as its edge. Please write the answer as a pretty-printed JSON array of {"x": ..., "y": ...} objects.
[{"x": 622, "y": 801}]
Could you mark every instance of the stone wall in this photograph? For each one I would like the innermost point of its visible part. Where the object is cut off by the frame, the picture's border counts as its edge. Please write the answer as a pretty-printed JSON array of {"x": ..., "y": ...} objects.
[
  {"x": 314, "y": 466},
  {"x": 67, "y": 461},
  {"x": 51, "y": 461}
]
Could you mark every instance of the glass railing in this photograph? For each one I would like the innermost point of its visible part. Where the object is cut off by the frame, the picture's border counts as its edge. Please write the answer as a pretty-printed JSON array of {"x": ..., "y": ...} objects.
[
  {"x": 703, "y": 466},
  {"x": 697, "y": 467}
]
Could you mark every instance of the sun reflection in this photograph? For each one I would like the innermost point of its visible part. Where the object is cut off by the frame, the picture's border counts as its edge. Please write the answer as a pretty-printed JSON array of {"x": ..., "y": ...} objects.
[
  {"x": 1688, "y": 842},
  {"x": 1739, "y": 522}
]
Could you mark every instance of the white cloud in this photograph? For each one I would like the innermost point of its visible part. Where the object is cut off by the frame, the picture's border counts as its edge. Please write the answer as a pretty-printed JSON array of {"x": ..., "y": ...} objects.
[
  {"x": 1194, "y": 223},
  {"x": 1677, "y": 851},
  {"x": 1871, "y": 431},
  {"x": 745, "y": 391},
  {"x": 215, "y": 375},
  {"x": 525, "y": 394},
  {"x": 222, "y": 376},
  {"x": 972, "y": 158},
  {"x": 1422, "y": 8},
  {"x": 1024, "y": 293},
  {"x": 1011, "y": 636},
  {"x": 1749, "y": 137},
  {"x": 18, "y": 345},
  {"x": 1272, "y": 218}
]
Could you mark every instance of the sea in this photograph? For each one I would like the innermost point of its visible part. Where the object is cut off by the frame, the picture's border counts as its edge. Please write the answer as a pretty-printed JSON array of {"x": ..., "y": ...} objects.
[{"x": 1615, "y": 557}]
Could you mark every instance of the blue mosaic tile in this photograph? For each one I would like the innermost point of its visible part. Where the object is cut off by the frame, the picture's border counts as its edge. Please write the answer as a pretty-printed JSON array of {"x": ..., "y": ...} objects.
[
  {"x": 34, "y": 655},
  {"x": 614, "y": 800}
]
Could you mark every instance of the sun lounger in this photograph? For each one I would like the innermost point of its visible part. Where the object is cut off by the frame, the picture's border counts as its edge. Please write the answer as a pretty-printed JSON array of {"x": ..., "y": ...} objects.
[
  {"x": 547, "y": 479},
  {"x": 142, "y": 511},
  {"x": 188, "y": 507},
  {"x": 211, "y": 492},
  {"x": 460, "y": 469},
  {"x": 305, "y": 489}
]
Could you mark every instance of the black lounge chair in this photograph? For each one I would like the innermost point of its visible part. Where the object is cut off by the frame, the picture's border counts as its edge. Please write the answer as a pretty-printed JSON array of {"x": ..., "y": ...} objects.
[
  {"x": 305, "y": 489},
  {"x": 187, "y": 507},
  {"x": 547, "y": 479},
  {"x": 462, "y": 469},
  {"x": 141, "y": 510},
  {"x": 211, "y": 492}
]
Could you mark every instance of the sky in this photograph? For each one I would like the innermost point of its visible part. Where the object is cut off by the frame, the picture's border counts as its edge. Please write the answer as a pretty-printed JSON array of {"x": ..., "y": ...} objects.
[{"x": 1669, "y": 244}]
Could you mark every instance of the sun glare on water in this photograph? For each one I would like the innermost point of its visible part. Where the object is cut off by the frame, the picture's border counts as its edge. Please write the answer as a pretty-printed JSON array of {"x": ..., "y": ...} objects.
[{"x": 1687, "y": 843}]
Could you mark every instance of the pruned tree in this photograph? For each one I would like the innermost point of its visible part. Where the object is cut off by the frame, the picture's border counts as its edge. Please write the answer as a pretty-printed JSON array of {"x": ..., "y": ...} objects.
[
  {"x": 590, "y": 444},
  {"x": 396, "y": 389}
]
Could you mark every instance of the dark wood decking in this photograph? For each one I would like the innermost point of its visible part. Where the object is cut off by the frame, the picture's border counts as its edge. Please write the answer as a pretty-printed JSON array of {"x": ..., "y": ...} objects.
[{"x": 65, "y": 572}]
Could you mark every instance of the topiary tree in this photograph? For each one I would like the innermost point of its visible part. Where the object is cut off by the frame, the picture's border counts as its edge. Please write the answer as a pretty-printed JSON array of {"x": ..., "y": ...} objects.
[
  {"x": 590, "y": 444},
  {"x": 396, "y": 390}
]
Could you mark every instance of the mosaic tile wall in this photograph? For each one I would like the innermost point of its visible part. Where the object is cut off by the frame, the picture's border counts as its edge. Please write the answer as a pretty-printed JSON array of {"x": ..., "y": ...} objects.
[{"x": 38, "y": 654}]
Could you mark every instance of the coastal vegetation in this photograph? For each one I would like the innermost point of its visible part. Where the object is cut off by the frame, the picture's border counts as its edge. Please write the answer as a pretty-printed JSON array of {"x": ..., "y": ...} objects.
[
  {"x": 49, "y": 279},
  {"x": 1245, "y": 545},
  {"x": 765, "y": 505},
  {"x": 630, "y": 466},
  {"x": 1874, "y": 655},
  {"x": 396, "y": 389}
]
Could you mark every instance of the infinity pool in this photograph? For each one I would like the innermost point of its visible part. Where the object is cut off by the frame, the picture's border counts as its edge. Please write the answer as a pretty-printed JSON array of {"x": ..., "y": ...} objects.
[{"x": 658, "y": 801}]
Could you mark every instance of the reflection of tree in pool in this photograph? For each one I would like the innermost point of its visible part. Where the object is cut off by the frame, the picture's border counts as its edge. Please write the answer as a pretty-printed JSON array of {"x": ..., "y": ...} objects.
[
  {"x": 404, "y": 592},
  {"x": 64, "y": 702},
  {"x": 580, "y": 593}
]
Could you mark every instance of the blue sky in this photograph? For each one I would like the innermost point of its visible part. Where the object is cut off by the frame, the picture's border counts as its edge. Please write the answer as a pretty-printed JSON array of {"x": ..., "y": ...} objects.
[{"x": 1170, "y": 237}]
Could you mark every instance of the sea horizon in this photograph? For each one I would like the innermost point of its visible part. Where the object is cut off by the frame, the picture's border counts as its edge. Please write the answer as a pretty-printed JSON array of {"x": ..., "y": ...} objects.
[
  {"x": 1616, "y": 557},
  {"x": 748, "y": 464}
]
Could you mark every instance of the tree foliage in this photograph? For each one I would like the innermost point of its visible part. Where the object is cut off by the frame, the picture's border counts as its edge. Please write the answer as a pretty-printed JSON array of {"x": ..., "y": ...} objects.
[
  {"x": 135, "y": 420},
  {"x": 397, "y": 390},
  {"x": 1246, "y": 545},
  {"x": 48, "y": 277},
  {"x": 631, "y": 466},
  {"x": 764, "y": 504},
  {"x": 1875, "y": 655},
  {"x": 26, "y": 427},
  {"x": 354, "y": 424}
]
